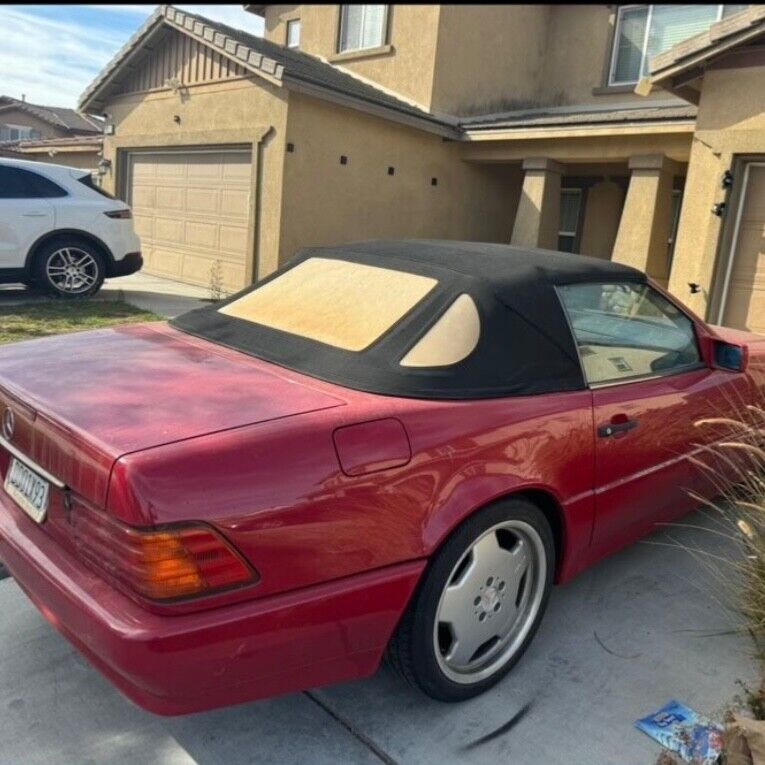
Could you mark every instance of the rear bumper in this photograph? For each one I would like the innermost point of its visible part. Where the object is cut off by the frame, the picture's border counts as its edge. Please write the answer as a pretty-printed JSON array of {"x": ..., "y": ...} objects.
[
  {"x": 131, "y": 263},
  {"x": 194, "y": 662}
]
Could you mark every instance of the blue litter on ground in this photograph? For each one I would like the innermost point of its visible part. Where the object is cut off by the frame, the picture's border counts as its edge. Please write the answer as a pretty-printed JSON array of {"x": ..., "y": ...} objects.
[{"x": 678, "y": 728}]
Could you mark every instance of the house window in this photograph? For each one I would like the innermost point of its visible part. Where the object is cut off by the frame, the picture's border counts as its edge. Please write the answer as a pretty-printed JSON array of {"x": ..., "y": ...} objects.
[
  {"x": 644, "y": 31},
  {"x": 17, "y": 133},
  {"x": 293, "y": 33},
  {"x": 362, "y": 26},
  {"x": 570, "y": 207}
]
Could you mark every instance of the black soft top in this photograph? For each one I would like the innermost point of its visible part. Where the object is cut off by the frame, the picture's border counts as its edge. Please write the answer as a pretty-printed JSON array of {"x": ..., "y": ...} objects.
[{"x": 525, "y": 346}]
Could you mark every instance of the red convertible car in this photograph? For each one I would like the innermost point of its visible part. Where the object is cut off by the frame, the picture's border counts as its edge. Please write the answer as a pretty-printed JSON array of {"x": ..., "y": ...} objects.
[{"x": 385, "y": 447}]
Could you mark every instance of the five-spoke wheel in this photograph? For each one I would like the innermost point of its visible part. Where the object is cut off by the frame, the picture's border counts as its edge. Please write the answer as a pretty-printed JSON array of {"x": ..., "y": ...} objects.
[
  {"x": 479, "y": 603},
  {"x": 490, "y": 601}
]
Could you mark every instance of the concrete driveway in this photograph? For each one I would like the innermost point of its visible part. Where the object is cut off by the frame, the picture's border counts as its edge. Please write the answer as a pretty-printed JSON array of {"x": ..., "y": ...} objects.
[
  {"x": 637, "y": 630},
  {"x": 164, "y": 297}
]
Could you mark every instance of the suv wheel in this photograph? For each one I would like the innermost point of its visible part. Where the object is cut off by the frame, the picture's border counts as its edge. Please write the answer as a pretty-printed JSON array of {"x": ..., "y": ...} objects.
[
  {"x": 479, "y": 604},
  {"x": 69, "y": 267}
]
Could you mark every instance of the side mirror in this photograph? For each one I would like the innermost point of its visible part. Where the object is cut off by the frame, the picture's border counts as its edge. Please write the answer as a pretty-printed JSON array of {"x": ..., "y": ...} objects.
[{"x": 730, "y": 356}]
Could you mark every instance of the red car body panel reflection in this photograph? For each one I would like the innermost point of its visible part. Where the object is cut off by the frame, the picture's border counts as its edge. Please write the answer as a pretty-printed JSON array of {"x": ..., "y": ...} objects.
[{"x": 336, "y": 497}]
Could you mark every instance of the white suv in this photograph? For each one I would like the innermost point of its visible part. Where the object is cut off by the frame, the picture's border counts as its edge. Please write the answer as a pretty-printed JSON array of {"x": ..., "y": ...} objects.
[{"x": 60, "y": 232}]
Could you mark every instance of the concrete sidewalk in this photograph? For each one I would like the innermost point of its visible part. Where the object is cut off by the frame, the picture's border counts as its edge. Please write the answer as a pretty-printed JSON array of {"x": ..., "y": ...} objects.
[
  {"x": 164, "y": 297},
  {"x": 639, "y": 629}
]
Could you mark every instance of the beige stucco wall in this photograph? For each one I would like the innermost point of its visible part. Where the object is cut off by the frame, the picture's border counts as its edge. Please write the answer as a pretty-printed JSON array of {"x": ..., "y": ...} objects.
[
  {"x": 602, "y": 212},
  {"x": 489, "y": 57},
  {"x": 731, "y": 121},
  {"x": 326, "y": 202},
  {"x": 244, "y": 111},
  {"x": 406, "y": 67},
  {"x": 19, "y": 117}
]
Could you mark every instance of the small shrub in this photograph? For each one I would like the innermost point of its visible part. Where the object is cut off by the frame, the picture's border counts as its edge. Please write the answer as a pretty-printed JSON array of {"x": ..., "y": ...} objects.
[{"x": 217, "y": 290}]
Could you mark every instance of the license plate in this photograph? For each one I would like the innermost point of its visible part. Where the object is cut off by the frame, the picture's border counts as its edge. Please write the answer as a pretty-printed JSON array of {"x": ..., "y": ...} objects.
[{"x": 28, "y": 489}]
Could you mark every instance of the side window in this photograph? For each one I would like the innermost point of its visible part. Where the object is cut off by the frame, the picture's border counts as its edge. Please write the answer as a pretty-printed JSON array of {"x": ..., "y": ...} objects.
[
  {"x": 43, "y": 188},
  {"x": 451, "y": 339},
  {"x": 625, "y": 331},
  {"x": 13, "y": 184},
  {"x": 16, "y": 183}
]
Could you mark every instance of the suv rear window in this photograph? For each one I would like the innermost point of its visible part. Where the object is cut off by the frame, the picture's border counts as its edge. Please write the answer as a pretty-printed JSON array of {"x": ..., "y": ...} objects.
[{"x": 87, "y": 180}]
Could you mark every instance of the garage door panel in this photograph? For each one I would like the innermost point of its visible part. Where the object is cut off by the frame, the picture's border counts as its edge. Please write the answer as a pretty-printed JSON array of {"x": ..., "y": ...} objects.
[
  {"x": 233, "y": 240},
  {"x": 201, "y": 234},
  {"x": 170, "y": 197},
  {"x": 165, "y": 261},
  {"x": 192, "y": 210},
  {"x": 236, "y": 203},
  {"x": 142, "y": 196},
  {"x": 206, "y": 201},
  {"x": 168, "y": 230},
  {"x": 144, "y": 225}
]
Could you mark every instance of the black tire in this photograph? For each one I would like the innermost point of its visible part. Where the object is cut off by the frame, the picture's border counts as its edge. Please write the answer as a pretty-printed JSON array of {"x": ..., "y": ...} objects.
[
  {"x": 49, "y": 254},
  {"x": 412, "y": 650}
]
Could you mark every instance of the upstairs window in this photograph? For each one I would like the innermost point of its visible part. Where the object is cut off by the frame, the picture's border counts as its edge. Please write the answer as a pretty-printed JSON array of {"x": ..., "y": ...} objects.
[
  {"x": 293, "y": 33},
  {"x": 644, "y": 31},
  {"x": 362, "y": 26}
]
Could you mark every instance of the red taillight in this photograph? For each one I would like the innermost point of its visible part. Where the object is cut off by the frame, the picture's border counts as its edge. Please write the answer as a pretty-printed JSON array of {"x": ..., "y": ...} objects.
[
  {"x": 119, "y": 213},
  {"x": 168, "y": 564}
]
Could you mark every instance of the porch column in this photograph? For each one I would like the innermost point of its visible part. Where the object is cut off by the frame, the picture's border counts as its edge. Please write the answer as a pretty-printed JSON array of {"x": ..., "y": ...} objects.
[
  {"x": 538, "y": 217},
  {"x": 641, "y": 240}
]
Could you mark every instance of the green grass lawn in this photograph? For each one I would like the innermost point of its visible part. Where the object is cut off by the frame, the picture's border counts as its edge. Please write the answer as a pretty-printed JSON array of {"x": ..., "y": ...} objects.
[{"x": 53, "y": 317}]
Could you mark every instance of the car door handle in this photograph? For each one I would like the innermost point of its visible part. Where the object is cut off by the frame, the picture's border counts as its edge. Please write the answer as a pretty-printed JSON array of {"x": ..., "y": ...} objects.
[
  {"x": 611, "y": 428},
  {"x": 34, "y": 214}
]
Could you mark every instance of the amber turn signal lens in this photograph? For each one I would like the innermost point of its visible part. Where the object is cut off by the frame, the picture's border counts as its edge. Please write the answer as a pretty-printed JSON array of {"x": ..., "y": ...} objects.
[{"x": 170, "y": 564}]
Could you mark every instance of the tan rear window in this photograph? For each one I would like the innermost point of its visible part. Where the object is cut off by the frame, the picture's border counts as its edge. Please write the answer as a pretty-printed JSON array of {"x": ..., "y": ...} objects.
[{"x": 346, "y": 305}]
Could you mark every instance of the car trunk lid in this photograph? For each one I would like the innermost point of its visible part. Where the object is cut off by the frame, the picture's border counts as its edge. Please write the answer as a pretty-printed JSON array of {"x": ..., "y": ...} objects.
[{"x": 82, "y": 401}]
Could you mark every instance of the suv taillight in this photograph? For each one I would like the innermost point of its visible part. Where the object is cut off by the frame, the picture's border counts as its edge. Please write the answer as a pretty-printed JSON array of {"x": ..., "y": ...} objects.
[
  {"x": 122, "y": 214},
  {"x": 165, "y": 564}
]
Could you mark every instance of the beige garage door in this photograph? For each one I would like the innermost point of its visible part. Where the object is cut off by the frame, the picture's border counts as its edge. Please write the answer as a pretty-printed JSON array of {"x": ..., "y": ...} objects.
[
  {"x": 192, "y": 212},
  {"x": 745, "y": 302}
]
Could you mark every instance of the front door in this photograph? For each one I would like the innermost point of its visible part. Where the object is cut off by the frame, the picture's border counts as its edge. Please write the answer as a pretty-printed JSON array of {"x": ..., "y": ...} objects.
[
  {"x": 649, "y": 386},
  {"x": 743, "y": 300}
]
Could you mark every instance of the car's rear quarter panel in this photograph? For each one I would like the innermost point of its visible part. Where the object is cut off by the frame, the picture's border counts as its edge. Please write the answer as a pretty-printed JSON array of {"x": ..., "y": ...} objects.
[{"x": 277, "y": 490}]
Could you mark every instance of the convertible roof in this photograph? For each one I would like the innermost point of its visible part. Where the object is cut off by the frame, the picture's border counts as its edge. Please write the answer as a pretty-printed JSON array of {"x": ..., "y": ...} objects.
[{"x": 525, "y": 345}]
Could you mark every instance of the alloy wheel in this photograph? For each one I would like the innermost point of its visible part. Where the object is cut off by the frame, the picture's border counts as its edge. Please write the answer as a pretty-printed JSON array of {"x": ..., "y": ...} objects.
[
  {"x": 72, "y": 271},
  {"x": 490, "y": 602}
]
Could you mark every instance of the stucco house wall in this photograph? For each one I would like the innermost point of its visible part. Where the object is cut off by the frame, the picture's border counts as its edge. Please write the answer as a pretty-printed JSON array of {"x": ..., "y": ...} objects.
[{"x": 326, "y": 201}]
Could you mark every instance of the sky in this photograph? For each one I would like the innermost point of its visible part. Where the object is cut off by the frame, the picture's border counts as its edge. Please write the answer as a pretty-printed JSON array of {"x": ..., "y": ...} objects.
[{"x": 51, "y": 53}]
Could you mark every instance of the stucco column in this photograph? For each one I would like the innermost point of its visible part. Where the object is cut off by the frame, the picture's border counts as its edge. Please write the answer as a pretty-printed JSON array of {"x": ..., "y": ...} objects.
[
  {"x": 641, "y": 240},
  {"x": 538, "y": 217}
]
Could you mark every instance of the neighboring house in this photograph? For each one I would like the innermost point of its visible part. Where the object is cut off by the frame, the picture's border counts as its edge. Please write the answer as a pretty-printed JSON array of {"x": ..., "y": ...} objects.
[
  {"x": 498, "y": 123},
  {"x": 49, "y": 133}
]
